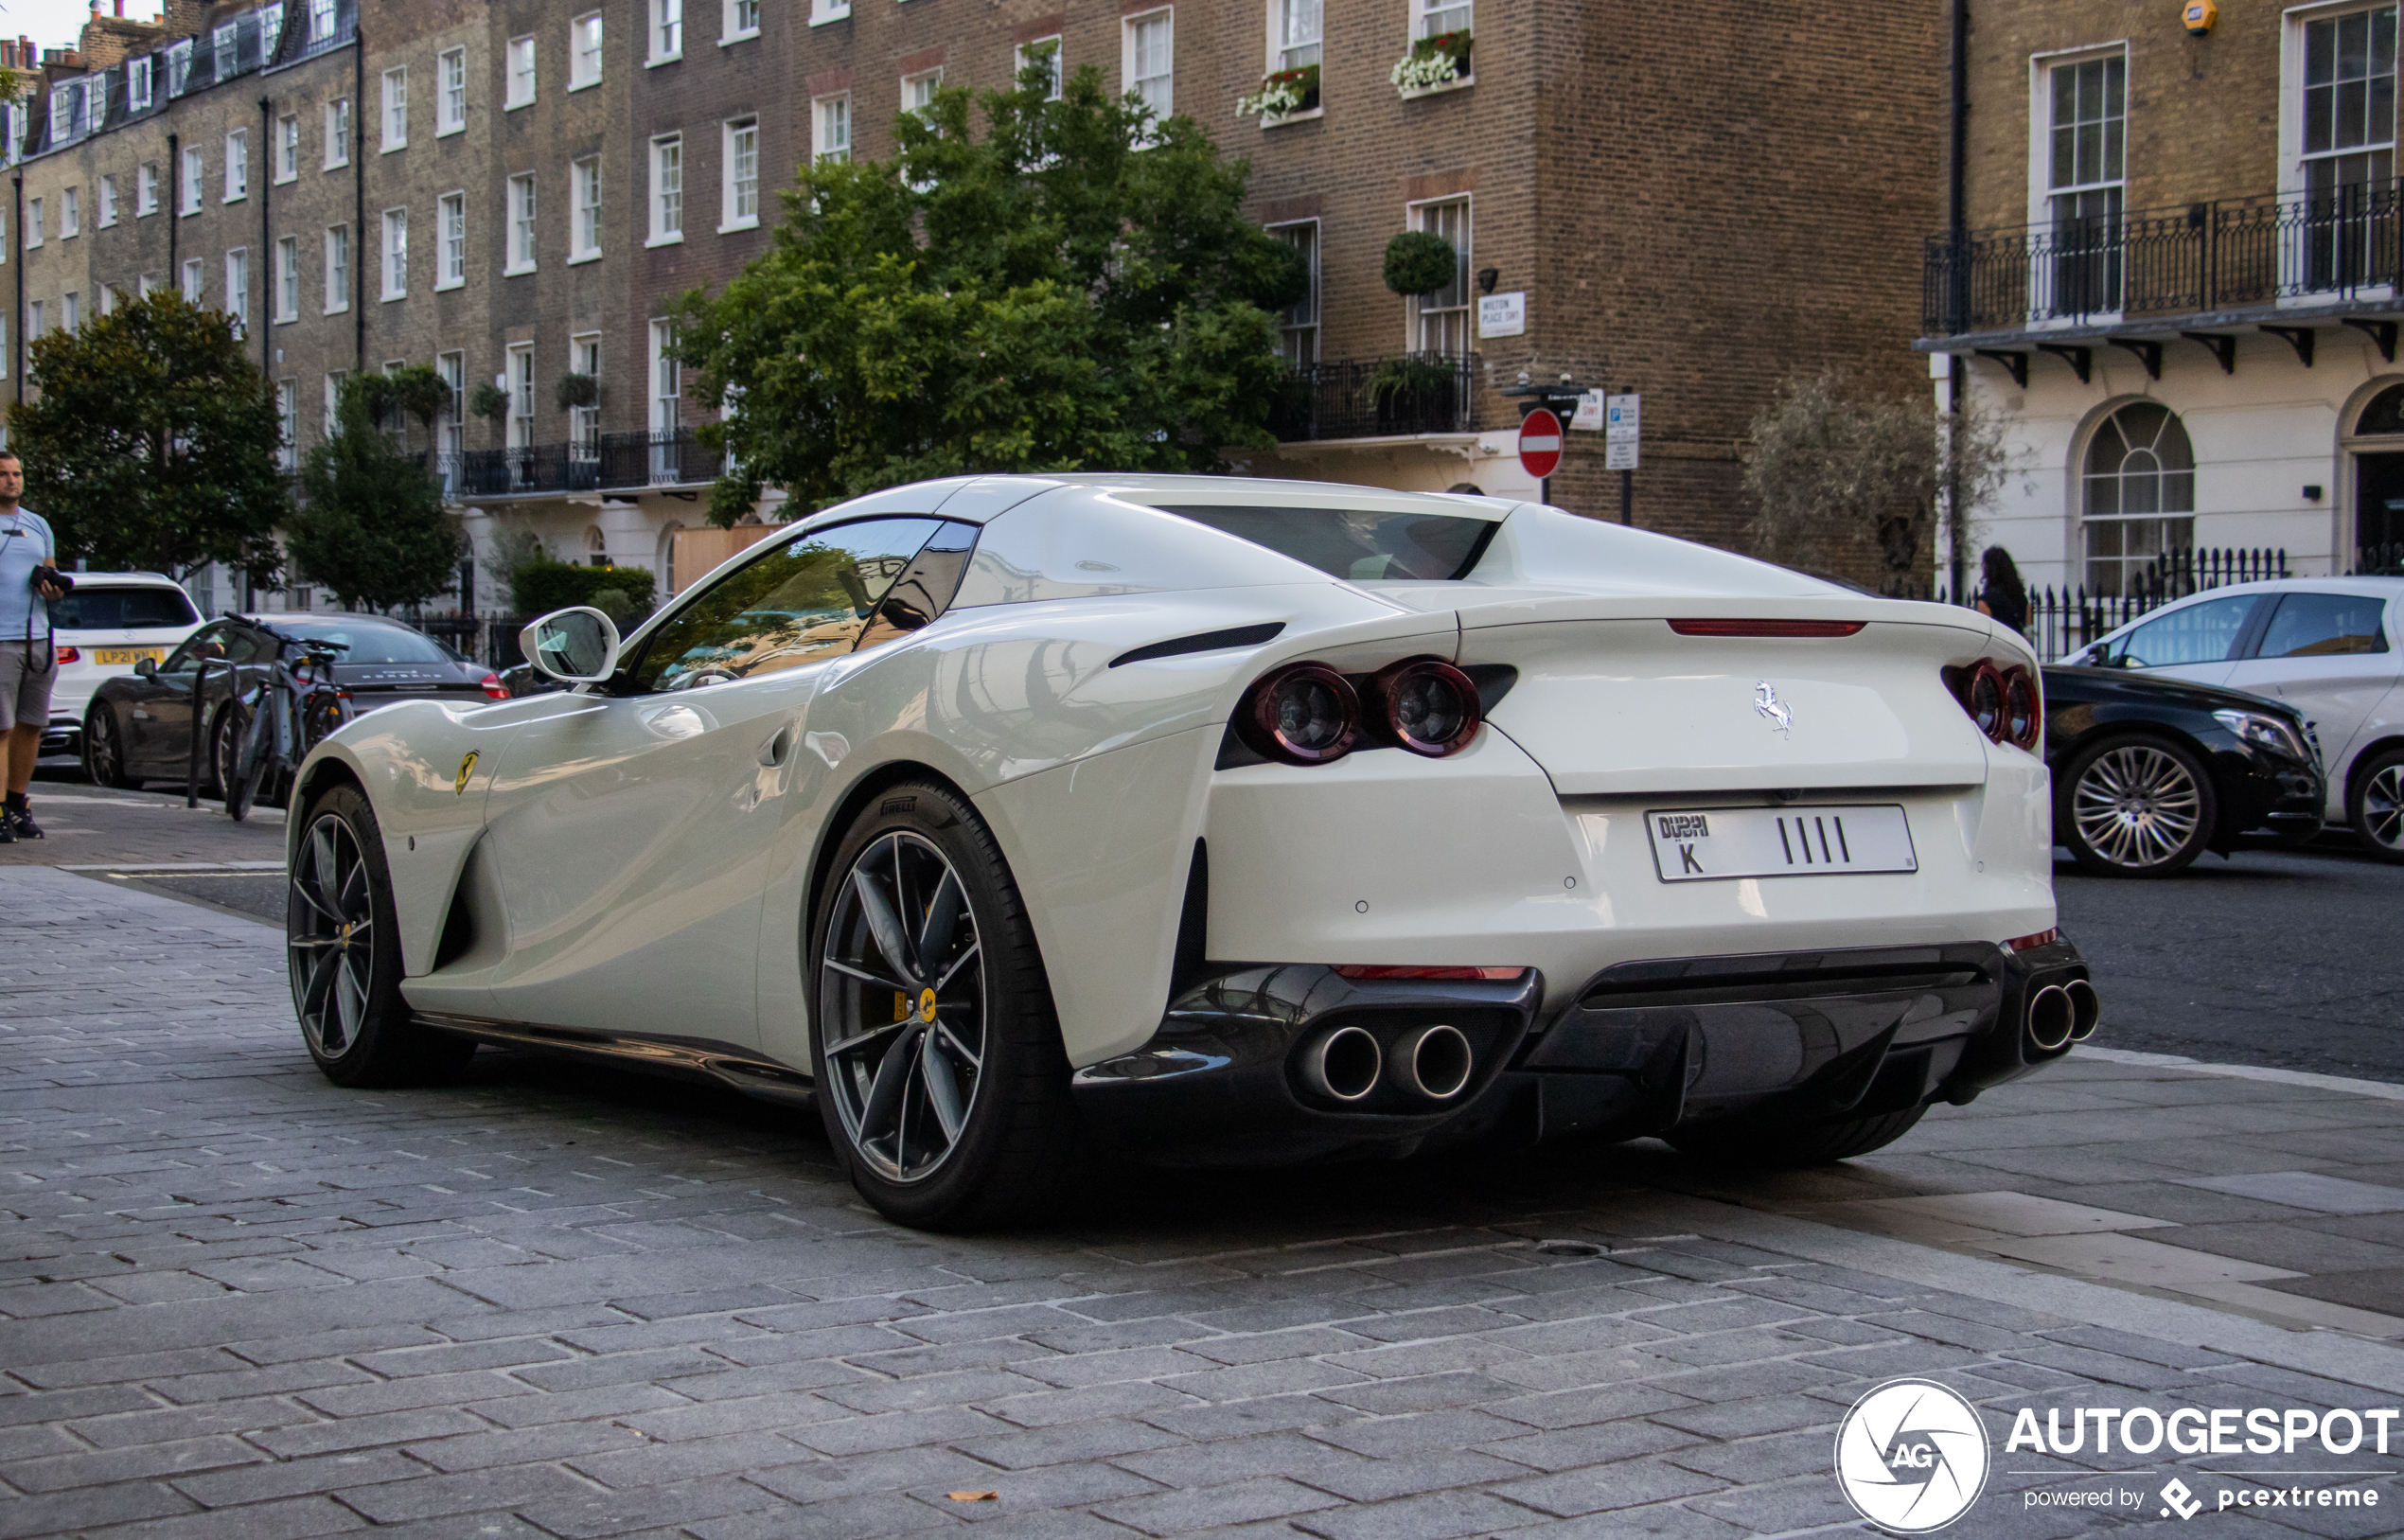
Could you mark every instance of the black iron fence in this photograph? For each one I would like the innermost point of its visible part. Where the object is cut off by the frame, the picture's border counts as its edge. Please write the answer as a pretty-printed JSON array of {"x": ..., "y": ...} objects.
[
  {"x": 1408, "y": 393},
  {"x": 2185, "y": 259},
  {"x": 2062, "y": 621},
  {"x": 607, "y": 462}
]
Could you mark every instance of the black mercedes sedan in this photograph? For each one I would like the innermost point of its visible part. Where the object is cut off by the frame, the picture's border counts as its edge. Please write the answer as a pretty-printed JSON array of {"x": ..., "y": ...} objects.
[
  {"x": 140, "y": 726},
  {"x": 2151, "y": 772}
]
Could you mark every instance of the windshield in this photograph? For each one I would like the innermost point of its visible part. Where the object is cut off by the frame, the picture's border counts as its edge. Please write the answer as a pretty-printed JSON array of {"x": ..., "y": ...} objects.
[
  {"x": 1354, "y": 543},
  {"x": 93, "y": 609},
  {"x": 369, "y": 642}
]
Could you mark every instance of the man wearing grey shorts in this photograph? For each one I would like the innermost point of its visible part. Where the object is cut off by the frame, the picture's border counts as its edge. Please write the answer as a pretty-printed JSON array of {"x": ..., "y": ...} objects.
[{"x": 28, "y": 662}]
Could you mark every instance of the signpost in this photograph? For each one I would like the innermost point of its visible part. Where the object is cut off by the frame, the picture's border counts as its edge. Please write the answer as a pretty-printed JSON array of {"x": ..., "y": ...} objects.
[
  {"x": 1622, "y": 431},
  {"x": 1540, "y": 448}
]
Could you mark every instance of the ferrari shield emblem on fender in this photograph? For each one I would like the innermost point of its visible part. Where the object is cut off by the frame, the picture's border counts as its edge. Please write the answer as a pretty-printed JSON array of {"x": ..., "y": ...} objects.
[
  {"x": 1767, "y": 703},
  {"x": 467, "y": 768}
]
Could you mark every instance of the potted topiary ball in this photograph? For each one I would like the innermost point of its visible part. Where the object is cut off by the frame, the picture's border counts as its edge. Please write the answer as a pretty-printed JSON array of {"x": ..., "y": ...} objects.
[{"x": 1420, "y": 262}]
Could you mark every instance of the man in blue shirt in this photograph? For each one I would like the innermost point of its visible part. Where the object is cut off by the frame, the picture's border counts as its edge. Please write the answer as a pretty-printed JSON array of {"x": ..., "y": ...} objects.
[{"x": 28, "y": 665}]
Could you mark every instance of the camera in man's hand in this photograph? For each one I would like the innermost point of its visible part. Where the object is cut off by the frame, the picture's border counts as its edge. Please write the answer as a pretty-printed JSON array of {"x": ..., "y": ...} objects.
[{"x": 46, "y": 576}]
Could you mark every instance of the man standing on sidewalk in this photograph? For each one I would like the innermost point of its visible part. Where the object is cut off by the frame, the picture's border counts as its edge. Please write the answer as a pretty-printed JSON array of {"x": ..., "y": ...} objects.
[{"x": 29, "y": 663}]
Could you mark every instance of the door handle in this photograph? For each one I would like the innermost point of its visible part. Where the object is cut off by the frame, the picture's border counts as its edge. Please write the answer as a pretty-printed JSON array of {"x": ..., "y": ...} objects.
[{"x": 772, "y": 753}]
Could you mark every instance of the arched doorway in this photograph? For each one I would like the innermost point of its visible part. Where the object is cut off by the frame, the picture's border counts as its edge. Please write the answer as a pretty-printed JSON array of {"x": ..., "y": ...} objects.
[{"x": 2379, "y": 483}]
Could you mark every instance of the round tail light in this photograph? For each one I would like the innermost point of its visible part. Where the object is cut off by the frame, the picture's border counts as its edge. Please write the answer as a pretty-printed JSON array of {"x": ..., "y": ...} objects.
[
  {"x": 1986, "y": 700},
  {"x": 1305, "y": 714},
  {"x": 1428, "y": 706},
  {"x": 2023, "y": 709}
]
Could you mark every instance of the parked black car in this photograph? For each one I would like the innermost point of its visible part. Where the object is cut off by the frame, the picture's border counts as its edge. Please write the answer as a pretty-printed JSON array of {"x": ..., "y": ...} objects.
[
  {"x": 2151, "y": 772},
  {"x": 139, "y": 726}
]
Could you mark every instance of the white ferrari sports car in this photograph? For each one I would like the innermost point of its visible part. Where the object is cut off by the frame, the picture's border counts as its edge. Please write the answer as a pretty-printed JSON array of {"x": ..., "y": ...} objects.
[{"x": 1226, "y": 820}]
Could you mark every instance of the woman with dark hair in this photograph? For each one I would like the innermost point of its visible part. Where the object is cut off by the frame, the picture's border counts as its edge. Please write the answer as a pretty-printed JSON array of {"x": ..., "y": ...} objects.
[{"x": 2001, "y": 593}]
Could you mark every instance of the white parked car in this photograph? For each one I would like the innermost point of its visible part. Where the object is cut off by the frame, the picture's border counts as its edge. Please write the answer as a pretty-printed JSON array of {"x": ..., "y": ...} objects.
[
  {"x": 1235, "y": 821},
  {"x": 108, "y": 625},
  {"x": 2332, "y": 647}
]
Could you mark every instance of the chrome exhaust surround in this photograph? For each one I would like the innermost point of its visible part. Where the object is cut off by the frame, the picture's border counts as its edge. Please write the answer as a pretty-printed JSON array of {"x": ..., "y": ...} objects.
[
  {"x": 1432, "y": 1062},
  {"x": 2086, "y": 1009},
  {"x": 2052, "y": 1018},
  {"x": 1343, "y": 1065}
]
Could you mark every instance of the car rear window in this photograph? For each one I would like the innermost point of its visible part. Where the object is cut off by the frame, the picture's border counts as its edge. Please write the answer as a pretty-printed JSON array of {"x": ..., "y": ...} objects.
[
  {"x": 95, "y": 607},
  {"x": 1357, "y": 544},
  {"x": 368, "y": 643}
]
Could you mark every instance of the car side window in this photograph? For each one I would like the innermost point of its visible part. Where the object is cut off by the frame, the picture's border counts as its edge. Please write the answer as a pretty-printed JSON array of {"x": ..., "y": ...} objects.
[
  {"x": 2324, "y": 625},
  {"x": 2197, "y": 633},
  {"x": 208, "y": 642},
  {"x": 925, "y": 587},
  {"x": 801, "y": 601}
]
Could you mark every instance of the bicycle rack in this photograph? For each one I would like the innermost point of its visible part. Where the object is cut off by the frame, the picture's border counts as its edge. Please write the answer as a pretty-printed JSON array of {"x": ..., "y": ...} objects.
[{"x": 200, "y": 689}]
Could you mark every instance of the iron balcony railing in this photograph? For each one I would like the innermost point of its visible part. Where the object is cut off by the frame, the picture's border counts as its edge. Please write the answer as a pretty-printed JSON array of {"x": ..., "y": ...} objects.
[
  {"x": 2336, "y": 246},
  {"x": 1408, "y": 393},
  {"x": 607, "y": 462}
]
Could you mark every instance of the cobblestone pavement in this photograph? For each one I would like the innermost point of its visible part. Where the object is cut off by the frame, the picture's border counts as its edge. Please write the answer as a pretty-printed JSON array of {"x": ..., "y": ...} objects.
[{"x": 238, "y": 1302}]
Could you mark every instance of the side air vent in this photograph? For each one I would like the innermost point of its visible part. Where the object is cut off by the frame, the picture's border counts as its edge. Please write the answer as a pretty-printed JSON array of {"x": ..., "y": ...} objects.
[{"x": 1237, "y": 636}]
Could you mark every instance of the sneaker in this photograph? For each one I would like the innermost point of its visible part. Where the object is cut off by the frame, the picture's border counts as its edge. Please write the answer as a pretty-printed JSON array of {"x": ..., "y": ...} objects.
[
  {"x": 7, "y": 830},
  {"x": 21, "y": 824}
]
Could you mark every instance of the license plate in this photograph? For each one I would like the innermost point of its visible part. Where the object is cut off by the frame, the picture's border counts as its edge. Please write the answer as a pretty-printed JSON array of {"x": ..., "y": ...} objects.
[
  {"x": 1704, "y": 844},
  {"x": 125, "y": 657}
]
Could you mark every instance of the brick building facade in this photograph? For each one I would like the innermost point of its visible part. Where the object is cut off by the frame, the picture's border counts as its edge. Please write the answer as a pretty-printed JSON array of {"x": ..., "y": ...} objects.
[
  {"x": 2175, "y": 276},
  {"x": 1688, "y": 201}
]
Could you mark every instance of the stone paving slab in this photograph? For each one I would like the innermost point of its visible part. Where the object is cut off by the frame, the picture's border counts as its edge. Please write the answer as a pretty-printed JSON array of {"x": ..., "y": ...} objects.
[{"x": 552, "y": 1300}]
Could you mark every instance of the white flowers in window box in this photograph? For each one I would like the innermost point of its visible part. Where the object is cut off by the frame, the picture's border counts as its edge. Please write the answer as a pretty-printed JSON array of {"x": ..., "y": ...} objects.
[
  {"x": 1282, "y": 95},
  {"x": 1433, "y": 64}
]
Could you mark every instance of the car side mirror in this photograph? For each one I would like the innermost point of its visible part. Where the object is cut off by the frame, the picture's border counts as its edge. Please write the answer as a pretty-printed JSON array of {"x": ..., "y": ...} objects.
[
  {"x": 146, "y": 666},
  {"x": 577, "y": 645}
]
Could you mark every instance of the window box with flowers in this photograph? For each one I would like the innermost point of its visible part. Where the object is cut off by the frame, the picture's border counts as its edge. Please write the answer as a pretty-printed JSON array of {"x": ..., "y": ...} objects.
[
  {"x": 1288, "y": 93},
  {"x": 1435, "y": 64}
]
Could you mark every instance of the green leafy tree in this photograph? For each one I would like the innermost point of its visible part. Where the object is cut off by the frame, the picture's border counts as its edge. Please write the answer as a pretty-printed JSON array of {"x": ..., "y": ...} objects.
[
  {"x": 1076, "y": 289},
  {"x": 371, "y": 524},
  {"x": 152, "y": 442}
]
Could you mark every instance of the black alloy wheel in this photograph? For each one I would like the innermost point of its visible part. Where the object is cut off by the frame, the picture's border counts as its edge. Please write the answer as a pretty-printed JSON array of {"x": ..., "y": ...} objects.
[
  {"x": 104, "y": 750},
  {"x": 940, "y": 1070},
  {"x": 2377, "y": 807},
  {"x": 2135, "y": 806},
  {"x": 343, "y": 952}
]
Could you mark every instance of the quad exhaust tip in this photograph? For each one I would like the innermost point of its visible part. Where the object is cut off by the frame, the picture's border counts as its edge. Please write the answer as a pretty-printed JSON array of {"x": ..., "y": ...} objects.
[
  {"x": 1343, "y": 1066},
  {"x": 2086, "y": 1009},
  {"x": 1432, "y": 1062},
  {"x": 2052, "y": 1018}
]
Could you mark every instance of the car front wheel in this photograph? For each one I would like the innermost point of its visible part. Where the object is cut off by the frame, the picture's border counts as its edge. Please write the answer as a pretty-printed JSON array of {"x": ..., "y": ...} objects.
[
  {"x": 2377, "y": 806},
  {"x": 940, "y": 1070},
  {"x": 2136, "y": 808}
]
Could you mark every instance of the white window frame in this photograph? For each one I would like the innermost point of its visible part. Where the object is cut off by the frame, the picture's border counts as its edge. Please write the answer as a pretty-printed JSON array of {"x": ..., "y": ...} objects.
[
  {"x": 584, "y": 211},
  {"x": 731, "y": 180},
  {"x": 70, "y": 213},
  {"x": 2293, "y": 156},
  {"x": 1426, "y": 21},
  {"x": 825, "y": 114},
  {"x": 288, "y": 279},
  {"x": 195, "y": 170},
  {"x": 146, "y": 189},
  {"x": 396, "y": 112},
  {"x": 822, "y": 11},
  {"x": 584, "y": 422},
  {"x": 451, "y": 440},
  {"x": 195, "y": 281},
  {"x": 288, "y": 424},
  {"x": 139, "y": 78},
  {"x": 519, "y": 374},
  {"x": 238, "y": 289},
  {"x": 1310, "y": 303},
  {"x": 179, "y": 66},
  {"x": 238, "y": 165},
  {"x": 731, "y": 27},
  {"x": 450, "y": 92},
  {"x": 451, "y": 233},
  {"x": 931, "y": 78},
  {"x": 338, "y": 259},
  {"x": 667, "y": 191},
  {"x": 146, "y": 285},
  {"x": 665, "y": 42},
  {"x": 1024, "y": 54},
  {"x": 1130, "y": 84},
  {"x": 338, "y": 132},
  {"x": 334, "y": 379},
  {"x": 321, "y": 20},
  {"x": 37, "y": 319},
  {"x": 223, "y": 51},
  {"x": 586, "y": 62},
  {"x": 36, "y": 220},
  {"x": 71, "y": 312},
  {"x": 392, "y": 254},
  {"x": 665, "y": 379},
  {"x": 520, "y": 210},
  {"x": 2041, "y": 190},
  {"x": 520, "y": 87},
  {"x": 1279, "y": 48},
  {"x": 108, "y": 200},
  {"x": 108, "y": 300},
  {"x": 1415, "y": 218},
  {"x": 288, "y": 148}
]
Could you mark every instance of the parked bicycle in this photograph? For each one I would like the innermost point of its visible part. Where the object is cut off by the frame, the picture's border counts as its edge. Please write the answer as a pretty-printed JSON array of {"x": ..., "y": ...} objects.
[{"x": 285, "y": 716}]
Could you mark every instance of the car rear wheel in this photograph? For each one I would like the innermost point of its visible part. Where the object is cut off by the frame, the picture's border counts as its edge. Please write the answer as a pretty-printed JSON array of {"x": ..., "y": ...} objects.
[
  {"x": 343, "y": 949},
  {"x": 104, "y": 751},
  {"x": 1805, "y": 1144},
  {"x": 940, "y": 1070},
  {"x": 2134, "y": 806},
  {"x": 2377, "y": 806}
]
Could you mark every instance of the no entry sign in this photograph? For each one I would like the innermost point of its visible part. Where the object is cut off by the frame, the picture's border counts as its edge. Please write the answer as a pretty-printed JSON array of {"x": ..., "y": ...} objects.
[{"x": 1540, "y": 443}]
